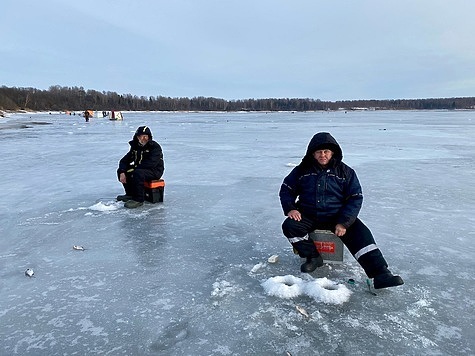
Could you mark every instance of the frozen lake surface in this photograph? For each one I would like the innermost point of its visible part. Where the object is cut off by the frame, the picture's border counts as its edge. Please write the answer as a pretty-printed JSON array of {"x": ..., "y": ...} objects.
[{"x": 187, "y": 276}]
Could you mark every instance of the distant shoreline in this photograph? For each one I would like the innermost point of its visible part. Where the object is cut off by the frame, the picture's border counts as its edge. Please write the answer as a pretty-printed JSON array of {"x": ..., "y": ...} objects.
[
  {"x": 5, "y": 113},
  {"x": 76, "y": 99}
]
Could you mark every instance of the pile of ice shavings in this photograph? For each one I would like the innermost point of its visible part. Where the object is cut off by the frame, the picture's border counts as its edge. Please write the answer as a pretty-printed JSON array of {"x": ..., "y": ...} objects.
[
  {"x": 107, "y": 206},
  {"x": 320, "y": 289}
]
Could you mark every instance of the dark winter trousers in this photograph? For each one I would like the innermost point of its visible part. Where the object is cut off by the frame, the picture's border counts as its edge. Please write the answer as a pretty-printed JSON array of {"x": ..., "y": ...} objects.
[
  {"x": 135, "y": 183},
  {"x": 358, "y": 239}
]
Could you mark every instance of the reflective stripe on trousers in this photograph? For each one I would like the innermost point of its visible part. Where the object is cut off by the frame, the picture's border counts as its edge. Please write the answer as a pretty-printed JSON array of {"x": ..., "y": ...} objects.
[
  {"x": 297, "y": 239},
  {"x": 365, "y": 249}
]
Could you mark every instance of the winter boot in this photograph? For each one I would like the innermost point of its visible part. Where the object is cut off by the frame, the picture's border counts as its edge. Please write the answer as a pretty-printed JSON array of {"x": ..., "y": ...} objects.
[
  {"x": 124, "y": 197},
  {"x": 311, "y": 264},
  {"x": 386, "y": 280},
  {"x": 132, "y": 204}
]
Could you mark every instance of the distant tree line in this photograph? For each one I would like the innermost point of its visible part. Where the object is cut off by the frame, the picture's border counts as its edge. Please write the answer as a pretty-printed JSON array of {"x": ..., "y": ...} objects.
[{"x": 58, "y": 98}]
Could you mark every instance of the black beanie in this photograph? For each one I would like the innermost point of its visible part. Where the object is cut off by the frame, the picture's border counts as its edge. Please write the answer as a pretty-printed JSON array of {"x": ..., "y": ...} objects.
[{"x": 144, "y": 130}]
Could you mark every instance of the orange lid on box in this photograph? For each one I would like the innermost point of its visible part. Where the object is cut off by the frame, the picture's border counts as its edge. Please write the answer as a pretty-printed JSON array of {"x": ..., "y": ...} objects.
[{"x": 155, "y": 184}]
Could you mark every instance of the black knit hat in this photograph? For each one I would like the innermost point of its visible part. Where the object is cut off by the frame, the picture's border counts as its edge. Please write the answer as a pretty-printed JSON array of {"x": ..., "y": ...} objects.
[{"x": 144, "y": 130}]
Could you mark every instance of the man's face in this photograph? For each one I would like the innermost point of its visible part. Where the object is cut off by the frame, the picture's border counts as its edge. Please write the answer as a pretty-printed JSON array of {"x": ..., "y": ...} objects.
[
  {"x": 143, "y": 139},
  {"x": 323, "y": 156}
]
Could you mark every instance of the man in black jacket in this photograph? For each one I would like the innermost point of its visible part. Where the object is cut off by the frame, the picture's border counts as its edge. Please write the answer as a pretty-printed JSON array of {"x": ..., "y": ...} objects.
[
  {"x": 143, "y": 162},
  {"x": 324, "y": 193}
]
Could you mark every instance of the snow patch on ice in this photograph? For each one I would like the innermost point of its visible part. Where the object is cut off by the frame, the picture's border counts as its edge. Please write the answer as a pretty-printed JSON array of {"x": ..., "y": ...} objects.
[
  {"x": 257, "y": 267},
  {"x": 107, "y": 206},
  {"x": 448, "y": 332},
  {"x": 165, "y": 304},
  {"x": 422, "y": 306},
  {"x": 87, "y": 326},
  {"x": 432, "y": 271},
  {"x": 223, "y": 350},
  {"x": 224, "y": 288}
]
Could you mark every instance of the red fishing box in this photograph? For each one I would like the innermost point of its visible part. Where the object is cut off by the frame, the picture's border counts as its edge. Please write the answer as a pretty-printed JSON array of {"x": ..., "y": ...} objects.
[{"x": 329, "y": 245}]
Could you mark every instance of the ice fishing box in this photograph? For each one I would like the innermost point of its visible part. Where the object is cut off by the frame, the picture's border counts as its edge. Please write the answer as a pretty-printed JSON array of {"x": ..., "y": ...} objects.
[
  {"x": 329, "y": 245},
  {"x": 154, "y": 190}
]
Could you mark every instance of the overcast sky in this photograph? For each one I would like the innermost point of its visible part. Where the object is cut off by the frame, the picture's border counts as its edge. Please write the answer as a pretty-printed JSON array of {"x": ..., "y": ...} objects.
[{"x": 329, "y": 50}]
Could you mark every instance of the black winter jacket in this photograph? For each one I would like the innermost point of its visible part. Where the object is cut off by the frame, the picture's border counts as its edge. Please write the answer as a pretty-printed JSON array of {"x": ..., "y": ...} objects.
[
  {"x": 329, "y": 195},
  {"x": 148, "y": 157}
]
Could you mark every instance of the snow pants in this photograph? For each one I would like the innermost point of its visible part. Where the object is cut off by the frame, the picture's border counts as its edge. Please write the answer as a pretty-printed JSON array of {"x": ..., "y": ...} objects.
[
  {"x": 358, "y": 239},
  {"x": 135, "y": 183}
]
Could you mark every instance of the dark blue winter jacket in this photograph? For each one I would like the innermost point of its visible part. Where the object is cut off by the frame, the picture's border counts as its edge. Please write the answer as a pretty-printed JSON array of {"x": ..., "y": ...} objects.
[{"x": 329, "y": 195}]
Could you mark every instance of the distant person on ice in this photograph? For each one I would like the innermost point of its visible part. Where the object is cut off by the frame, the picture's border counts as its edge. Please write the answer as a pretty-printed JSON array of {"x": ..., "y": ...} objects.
[
  {"x": 324, "y": 193},
  {"x": 87, "y": 115},
  {"x": 143, "y": 162}
]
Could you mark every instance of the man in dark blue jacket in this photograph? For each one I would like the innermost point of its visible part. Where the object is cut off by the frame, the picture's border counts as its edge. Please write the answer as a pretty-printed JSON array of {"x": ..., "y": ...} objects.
[
  {"x": 324, "y": 193},
  {"x": 143, "y": 162}
]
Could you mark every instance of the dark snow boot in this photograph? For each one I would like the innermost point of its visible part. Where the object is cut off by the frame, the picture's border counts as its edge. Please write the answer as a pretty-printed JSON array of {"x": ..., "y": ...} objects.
[
  {"x": 132, "y": 204},
  {"x": 124, "y": 197},
  {"x": 311, "y": 264},
  {"x": 386, "y": 280}
]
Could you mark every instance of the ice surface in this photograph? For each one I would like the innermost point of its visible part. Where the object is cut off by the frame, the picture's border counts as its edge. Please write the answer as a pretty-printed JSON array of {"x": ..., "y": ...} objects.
[{"x": 188, "y": 276}]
